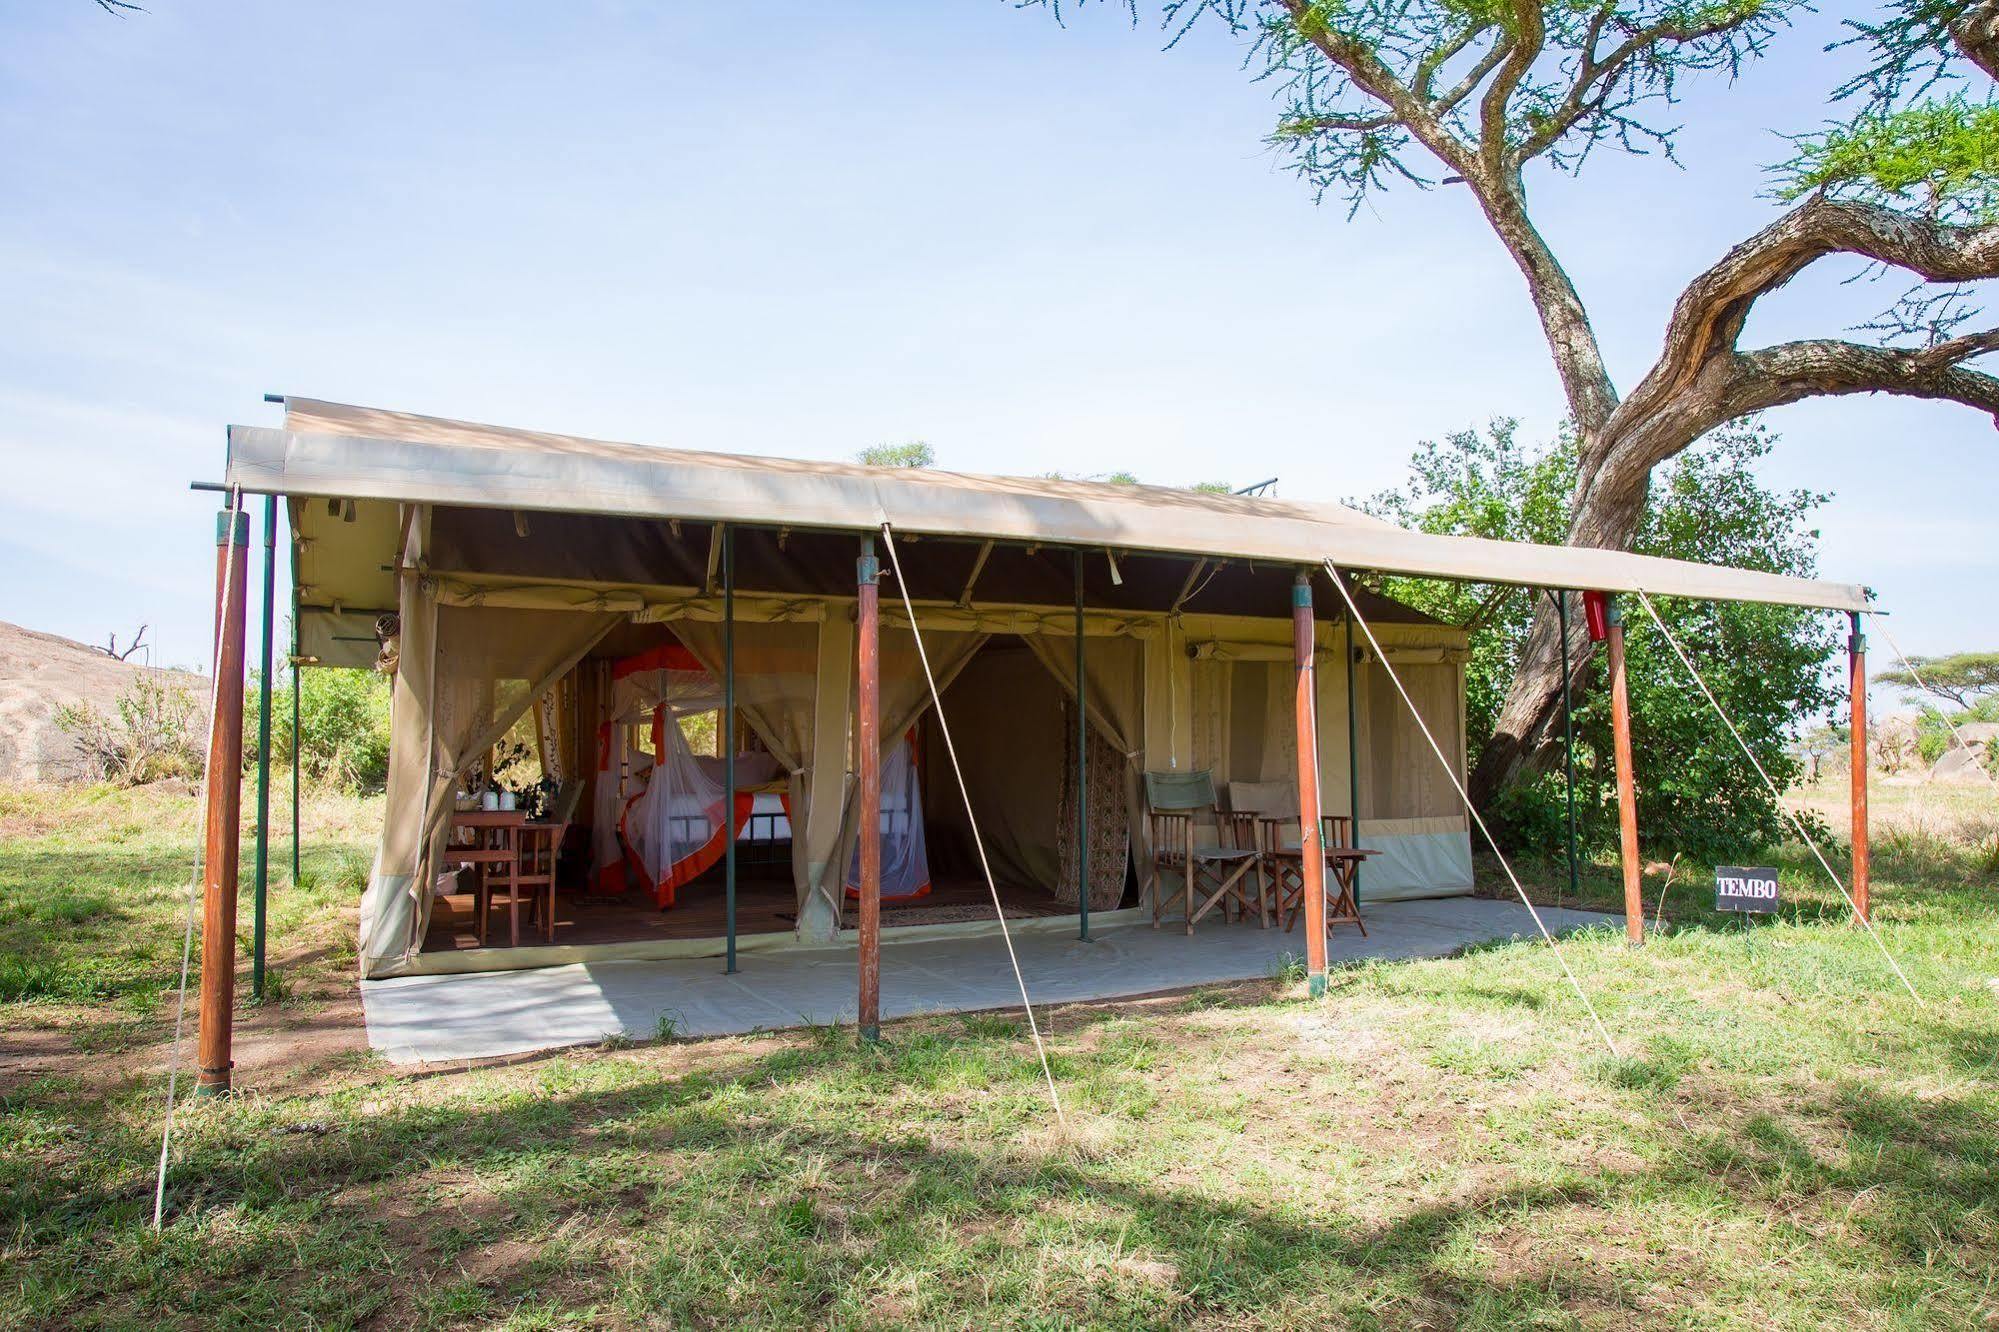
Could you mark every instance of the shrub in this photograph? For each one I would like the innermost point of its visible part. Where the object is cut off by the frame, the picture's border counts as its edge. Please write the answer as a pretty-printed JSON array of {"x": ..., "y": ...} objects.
[
  {"x": 156, "y": 734},
  {"x": 343, "y": 729}
]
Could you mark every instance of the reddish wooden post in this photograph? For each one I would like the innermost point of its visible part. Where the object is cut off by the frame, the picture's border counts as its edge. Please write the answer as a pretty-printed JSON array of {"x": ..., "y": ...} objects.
[
  {"x": 225, "y": 806},
  {"x": 1627, "y": 792},
  {"x": 867, "y": 728},
  {"x": 1856, "y": 659},
  {"x": 1304, "y": 646}
]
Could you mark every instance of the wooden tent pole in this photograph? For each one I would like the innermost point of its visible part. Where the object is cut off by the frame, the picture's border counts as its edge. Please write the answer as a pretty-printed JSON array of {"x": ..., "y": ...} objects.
[
  {"x": 867, "y": 728},
  {"x": 224, "y": 815},
  {"x": 1627, "y": 792},
  {"x": 258, "y": 909},
  {"x": 1569, "y": 748},
  {"x": 1856, "y": 659},
  {"x": 1304, "y": 645}
]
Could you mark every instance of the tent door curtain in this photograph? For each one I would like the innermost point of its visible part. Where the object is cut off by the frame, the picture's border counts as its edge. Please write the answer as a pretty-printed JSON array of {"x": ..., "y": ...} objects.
[
  {"x": 905, "y": 854},
  {"x": 1109, "y": 829}
]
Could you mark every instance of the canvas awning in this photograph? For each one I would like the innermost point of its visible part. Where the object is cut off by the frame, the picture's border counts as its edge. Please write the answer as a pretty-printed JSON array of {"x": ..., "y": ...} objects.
[{"x": 328, "y": 450}]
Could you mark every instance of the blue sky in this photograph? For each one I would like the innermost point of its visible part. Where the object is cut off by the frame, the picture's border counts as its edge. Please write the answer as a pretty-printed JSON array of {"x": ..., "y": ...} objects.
[{"x": 802, "y": 229}]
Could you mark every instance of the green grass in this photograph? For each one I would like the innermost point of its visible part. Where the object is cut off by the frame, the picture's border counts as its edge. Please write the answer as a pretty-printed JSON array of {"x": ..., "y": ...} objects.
[{"x": 1784, "y": 1140}]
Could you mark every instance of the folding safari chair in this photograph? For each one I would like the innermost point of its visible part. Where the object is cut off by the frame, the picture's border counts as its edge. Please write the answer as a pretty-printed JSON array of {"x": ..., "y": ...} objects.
[{"x": 1209, "y": 875}]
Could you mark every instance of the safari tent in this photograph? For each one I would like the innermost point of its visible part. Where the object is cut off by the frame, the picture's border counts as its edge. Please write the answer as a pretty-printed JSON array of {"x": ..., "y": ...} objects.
[{"x": 729, "y": 700}]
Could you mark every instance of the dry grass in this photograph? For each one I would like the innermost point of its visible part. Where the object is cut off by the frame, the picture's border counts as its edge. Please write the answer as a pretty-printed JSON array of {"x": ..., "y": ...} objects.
[{"x": 1785, "y": 1143}]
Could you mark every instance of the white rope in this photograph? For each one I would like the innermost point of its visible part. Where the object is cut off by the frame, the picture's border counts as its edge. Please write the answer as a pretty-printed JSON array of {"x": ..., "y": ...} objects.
[
  {"x": 944, "y": 728},
  {"x": 200, "y": 844},
  {"x": 1976, "y": 762},
  {"x": 1353, "y": 609},
  {"x": 1778, "y": 796}
]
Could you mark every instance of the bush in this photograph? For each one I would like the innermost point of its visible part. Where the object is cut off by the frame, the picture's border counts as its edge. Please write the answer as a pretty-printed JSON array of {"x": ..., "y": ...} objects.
[
  {"x": 343, "y": 726},
  {"x": 157, "y": 734}
]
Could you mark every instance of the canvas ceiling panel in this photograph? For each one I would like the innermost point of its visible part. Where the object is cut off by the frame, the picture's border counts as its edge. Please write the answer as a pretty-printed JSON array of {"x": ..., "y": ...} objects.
[
  {"x": 345, "y": 561},
  {"x": 338, "y": 638}
]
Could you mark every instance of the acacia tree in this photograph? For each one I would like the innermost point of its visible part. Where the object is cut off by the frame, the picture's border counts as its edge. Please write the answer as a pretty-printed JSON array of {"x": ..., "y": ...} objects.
[
  {"x": 1964, "y": 678},
  {"x": 1472, "y": 94}
]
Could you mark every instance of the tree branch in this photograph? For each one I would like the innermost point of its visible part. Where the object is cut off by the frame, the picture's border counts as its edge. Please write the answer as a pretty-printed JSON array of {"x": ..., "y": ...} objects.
[
  {"x": 1820, "y": 367},
  {"x": 1710, "y": 314},
  {"x": 1976, "y": 33},
  {"x": 1374, "y": 78},
  {"x": 1524, "y": 44},
  {"x": 1956, "y": 351},
  {"x": 1596, "y": 79}
]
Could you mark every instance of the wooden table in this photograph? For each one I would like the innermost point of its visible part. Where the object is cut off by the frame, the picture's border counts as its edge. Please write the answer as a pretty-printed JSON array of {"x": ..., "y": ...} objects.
[
  {"x": 495, "y": 858},
  {"x": 1287, "y": 864}
]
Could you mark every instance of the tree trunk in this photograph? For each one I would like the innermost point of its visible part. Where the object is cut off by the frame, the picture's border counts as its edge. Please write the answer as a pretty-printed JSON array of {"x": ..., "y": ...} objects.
[{"x": 1611, "y": 492}]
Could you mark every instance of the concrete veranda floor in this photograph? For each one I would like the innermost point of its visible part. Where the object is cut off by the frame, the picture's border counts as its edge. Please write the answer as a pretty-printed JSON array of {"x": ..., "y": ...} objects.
[{"x": 432, "y": 1019}]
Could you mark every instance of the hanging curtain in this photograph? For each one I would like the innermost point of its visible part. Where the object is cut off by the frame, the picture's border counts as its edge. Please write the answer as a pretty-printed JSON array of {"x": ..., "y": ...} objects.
[
  {"x": 905, "y": 696},
  {"x": 777, "y": 687},
  {"x": 1109, "y": 816},
  {"x": 905, "y": 867},
  {"x": 1113, "y": 696},
  {"x": 465, "y": 676}
]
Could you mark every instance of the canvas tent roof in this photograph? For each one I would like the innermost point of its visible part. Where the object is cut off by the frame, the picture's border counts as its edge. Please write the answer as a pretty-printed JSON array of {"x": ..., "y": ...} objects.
[{"x": 331, "y": 450}]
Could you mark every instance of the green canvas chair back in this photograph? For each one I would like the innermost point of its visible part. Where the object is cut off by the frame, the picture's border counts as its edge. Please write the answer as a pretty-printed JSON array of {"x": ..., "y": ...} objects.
[{"x": 1174, "y": 792}]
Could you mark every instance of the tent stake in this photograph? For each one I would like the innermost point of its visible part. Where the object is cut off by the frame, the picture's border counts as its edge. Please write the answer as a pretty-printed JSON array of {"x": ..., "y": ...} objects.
[
  {"x": 1569, "y": 745},
  {"x": 1627, "y": 793},
  {"x": 258, "y": 911},
  {"x": 867, "y": 726},
  {"x": 1856, "y": 654},
  {"x": 1304, "y": 646},
  {"x": 224, "y": 815},
  {"x": 1082, "y": 770},
  {"x": 727, "y": 739}
]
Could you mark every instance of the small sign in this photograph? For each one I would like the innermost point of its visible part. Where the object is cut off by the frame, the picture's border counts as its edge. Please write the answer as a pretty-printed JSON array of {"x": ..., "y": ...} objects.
[{"x": 1744, "y": 888}]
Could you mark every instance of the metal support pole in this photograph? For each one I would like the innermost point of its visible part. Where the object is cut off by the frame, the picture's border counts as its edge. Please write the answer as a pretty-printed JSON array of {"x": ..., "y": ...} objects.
[
  {"x": 1353, "y": 757},
  {"x": 258, "y": 910},
  {"x": 727, "y": 737},
  {"x": 867, "y": 727},
  {"x": 1082, "y": 770},
  {"x": 1627, "y": 791},
  {"x": 296, "y": 746},
  {"x": 1569, "y": 745},
  {"x": 1856, "y": 660},
  {"x": 1304, "y": 647},
  {"x": 224, "y": 815}
]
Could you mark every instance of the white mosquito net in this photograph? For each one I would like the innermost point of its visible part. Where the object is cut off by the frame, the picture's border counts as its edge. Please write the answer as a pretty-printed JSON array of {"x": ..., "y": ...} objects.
[
  {"x": 905, "y": 857},
  {"x": 661, "y": 815}
]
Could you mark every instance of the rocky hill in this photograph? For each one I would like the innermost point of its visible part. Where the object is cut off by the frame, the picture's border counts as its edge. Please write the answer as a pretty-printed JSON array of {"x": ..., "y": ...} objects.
[{"x": 40, "y": 673}]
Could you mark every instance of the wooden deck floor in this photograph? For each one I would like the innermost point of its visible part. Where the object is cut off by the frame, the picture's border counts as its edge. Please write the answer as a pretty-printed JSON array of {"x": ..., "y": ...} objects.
[{"x": 763, "y": 906}]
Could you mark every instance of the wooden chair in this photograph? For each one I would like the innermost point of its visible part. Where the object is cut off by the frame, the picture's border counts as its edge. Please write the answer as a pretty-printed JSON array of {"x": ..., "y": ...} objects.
[
  {"x": 492, "y": 855},
  {"x": 539, "y": 850},
  {"x": 1275, "y": 805},
  {"x": 1209, "y": 875}
]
